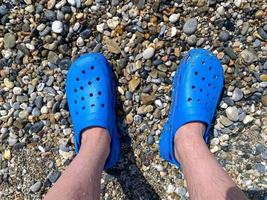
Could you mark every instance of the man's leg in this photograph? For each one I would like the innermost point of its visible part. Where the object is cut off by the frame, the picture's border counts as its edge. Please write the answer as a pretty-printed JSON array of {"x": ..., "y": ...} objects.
[
  {"x": 81, "y": 180},
  {"x": 205, "y": 177}
]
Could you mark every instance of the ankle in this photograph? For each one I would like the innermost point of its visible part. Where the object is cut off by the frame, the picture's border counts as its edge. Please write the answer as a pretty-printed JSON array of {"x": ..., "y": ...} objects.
[
  {"x": 97, "y": 137},
  {"x": 188, "y": 136}
]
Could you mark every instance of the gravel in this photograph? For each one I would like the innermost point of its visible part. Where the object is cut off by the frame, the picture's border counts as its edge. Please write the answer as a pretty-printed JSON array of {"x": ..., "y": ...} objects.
[{"x": 144, "y": 42}]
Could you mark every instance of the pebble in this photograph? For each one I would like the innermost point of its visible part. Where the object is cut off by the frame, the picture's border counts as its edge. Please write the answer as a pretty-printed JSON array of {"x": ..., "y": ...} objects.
[
  {"x": 232, "y": 113},
  {"x": 158, "y": 104},
  {"x": 264, "y": 100},
  {"x": 237, "y": 94},
  {"x": 113, "y": 23},
  {"x": 9, "y": 84},
  {"x": 36, "y": 187},
  {"x": 224, "y": 36},
  {"x": 150, "y": 140},
  {"x": 57, "y": 26},
  {"x": 148, "y": 53},
  {"x": 9, "y": 40},
  {"x": 174, "y": 18},
  {"x": 248, "y": 119},
  {"x": 260, "y": 168},
  {"x": 53, "y": 176},
  {"x": 249, "y": 56},
  {"x": 190, "y": 26},
  {"x": 262, "y": 33},
  {"x": 191, "y": 40},
  {"x": 7, "y": 154}
]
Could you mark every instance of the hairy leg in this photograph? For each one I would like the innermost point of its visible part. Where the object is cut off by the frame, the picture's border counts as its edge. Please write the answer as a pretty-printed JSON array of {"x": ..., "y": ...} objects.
[
  {"x": 81, "y": 180},
  {"x": 205, "y": 177}
]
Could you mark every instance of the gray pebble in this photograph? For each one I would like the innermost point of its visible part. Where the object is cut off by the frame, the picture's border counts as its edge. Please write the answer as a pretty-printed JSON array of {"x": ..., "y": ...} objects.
[
  {"x": 191, "y": 40},
  {"x": 150, "y": 140},
  {"x": 37, "y": 127},
  {"x": 36, "y": 112},
  {"x": 190, "y": 26},
  {"x": 9, "y": 40},
  {"x": 3, "y": 10},
  {"x": 224, "y": 36},
  {"x": 237, "y": 94},
  {"x": 36, "y": 187},
  {"x": 262, "y": 33},
  {"x": 260, "y": 168},
  {"x": 53, "y": 176}
]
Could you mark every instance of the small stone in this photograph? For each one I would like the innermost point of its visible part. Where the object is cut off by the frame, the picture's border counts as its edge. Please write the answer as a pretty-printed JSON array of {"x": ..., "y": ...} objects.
[
  {"x": 112, "y": 46},
  {"x": 248, "y": 119},
  {"x": 57, "y": 26},
  {"x": 9, "y": 84},
  {"x": 67, "y": 131},
  {"x": 54, "y": 176},
  {"x": 100, "y": 27},
  {"x": 191, "y": 40},
  {"x": 170, "y": 189},
  {"x": 129, "y": 118},
  {"x": 51, "y": 4},
  {"x": 113, "y": 23},
  {"x": 174, "y": 18},
  {"x": 114, "y": 2},
  {"x": 37, "y": 127},
  {"x": 232, "y": 113},
  {"x": 133, "y": 84},
  {"x": 263, "y": 77},
  {"x": 190, "y": 26},
  {"x": 7, "y": 154},
  {"x": 148, "y": 53},
  {"x": 3, "y": 10},
  {"x": 52, "y": 57},
  {"x": 9, "y": 40},
  {"x": 264, "y": 100},
  {"x": 72, "y": 2},
  {"x": 221, "y": 10},
  {"x": 238, "y": 3},
  {"x": 230, "y": 52},
  {"x": 36, "y": 187},
  {"x": 260, "y": 168},
  {"x": 158, "y": 104},
  {"x": 224, "y": 36},
  {"x": 225, "y": 121},
  {"x": 150, "y": 140},
  {"x": 249, "y": 56},
  {"x": 262, "y": 33},
  {"x": 237, "y": 94},
  {"x": 36, "y": 112}
]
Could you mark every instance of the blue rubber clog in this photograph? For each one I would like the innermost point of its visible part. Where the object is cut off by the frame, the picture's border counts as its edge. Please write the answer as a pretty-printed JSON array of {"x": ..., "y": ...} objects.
[
  {"x": 197, "y": 87},
  {"x": 90, "y": 90}
]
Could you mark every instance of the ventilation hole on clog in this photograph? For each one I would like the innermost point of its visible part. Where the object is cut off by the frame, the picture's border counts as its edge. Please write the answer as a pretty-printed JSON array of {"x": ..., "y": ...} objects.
[
  {"x": 198, "y": 100},
  {"x": 203, "y": 78},
  {"x": 97, "y": 78},
  {"x": 75, "y": 90},
  {"x": 75, "y": 102},
  {"x": 209, "y": 84},
  {"x": 201, "y": 90},
  {"x": 83, "y": 71},
  {"x": 76, "y": 113},
  {"x": 102, "y": 105},
  {"x": 91, "y": 94},
  {"x": 77, "y": 79},
  {"x": 193, "y": 87},
  {"x": 208, "y": 94},
  {"x": 203, "y": 62},
  {"x": 99, "y": 93},
  {"x": 82, "y": 98},
  {"x": 209, "y": 68},
  {"x": 89, "y": 83},
  {"x": 189, "y": 99},
  {"x": 196, "y": 73},
  {"x": 214, "y": 87},
  {"x": 92, "y": 67},
  {"x": 81, "y": 87},
  {"x": 215, "y": 77},
  {"x": 92, "y": 105},
  {"x": 83, "y": 107}
]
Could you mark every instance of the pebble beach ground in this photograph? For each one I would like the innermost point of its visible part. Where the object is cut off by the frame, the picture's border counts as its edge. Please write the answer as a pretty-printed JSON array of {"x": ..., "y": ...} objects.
[{"x": 144, "y": 40}]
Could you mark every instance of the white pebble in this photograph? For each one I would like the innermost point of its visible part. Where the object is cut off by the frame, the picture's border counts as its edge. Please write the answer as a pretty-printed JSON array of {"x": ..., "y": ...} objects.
[
  {"x": 158, "y": 104},
  {"x": 100, "y": 27},
  {"x": 17, "y": 90},
  {"x": 57, "y": 26},
  {"x": 248, "y": 119},
  {"x": 113, "y": 23},
  {"x": 72, "y": 2},
  {"x": 148, "y": 53},
  {"x": 174, "y": 18},
  {"x": 170, "y": 189}
]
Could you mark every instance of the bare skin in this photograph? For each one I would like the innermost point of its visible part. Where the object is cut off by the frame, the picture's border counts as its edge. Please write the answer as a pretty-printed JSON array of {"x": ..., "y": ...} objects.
[
  {"x": 81, "y": 180},
  {"x": 205, "y": 177}
]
